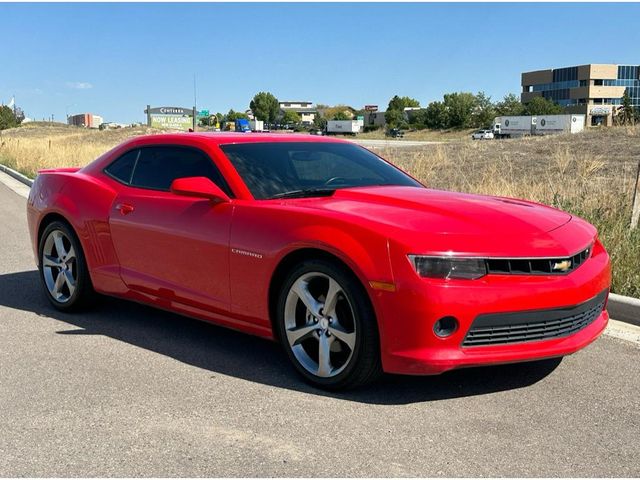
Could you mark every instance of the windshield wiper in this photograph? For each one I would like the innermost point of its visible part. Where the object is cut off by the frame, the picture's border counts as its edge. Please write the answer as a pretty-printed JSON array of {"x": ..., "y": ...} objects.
[{"x": 304, "y": 192}]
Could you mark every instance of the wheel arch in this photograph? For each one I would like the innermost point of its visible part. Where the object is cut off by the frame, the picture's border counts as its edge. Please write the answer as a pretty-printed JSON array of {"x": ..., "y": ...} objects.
[{"x": 49, "y": 218}]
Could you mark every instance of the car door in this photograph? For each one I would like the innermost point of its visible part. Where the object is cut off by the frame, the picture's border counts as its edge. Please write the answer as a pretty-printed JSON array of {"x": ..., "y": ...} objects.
[{"x": 171, "y": 246}]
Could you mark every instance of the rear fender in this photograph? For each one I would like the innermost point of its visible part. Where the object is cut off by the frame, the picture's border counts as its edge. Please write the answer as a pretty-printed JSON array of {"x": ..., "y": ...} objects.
[{"x": 84, "y": 202}]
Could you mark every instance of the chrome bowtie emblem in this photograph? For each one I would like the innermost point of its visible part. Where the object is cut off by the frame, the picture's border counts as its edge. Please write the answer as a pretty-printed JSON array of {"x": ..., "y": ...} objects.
[{"x": 562, "y": 266}]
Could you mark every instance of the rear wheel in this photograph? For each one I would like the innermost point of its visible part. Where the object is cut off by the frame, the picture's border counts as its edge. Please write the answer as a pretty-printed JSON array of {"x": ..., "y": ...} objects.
[
  {"x": 63, "y": 269},
  {"x": 328, "y": 327}
]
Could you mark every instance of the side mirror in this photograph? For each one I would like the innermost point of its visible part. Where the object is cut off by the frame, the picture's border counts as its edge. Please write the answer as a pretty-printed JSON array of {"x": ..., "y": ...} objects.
[{"x": 200, "y": 187}]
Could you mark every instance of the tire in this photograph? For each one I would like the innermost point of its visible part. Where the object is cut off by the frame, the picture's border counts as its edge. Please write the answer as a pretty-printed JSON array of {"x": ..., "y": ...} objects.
[
  {"x": 63, "y": 268},
  {"x": 333, "y": 347}
]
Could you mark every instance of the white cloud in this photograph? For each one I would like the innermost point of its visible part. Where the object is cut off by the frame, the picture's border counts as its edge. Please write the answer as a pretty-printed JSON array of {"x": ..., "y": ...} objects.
[{"x": 79, "y": 85}]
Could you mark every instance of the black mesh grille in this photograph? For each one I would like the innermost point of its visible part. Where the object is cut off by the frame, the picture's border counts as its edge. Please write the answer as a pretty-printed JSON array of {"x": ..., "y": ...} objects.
[
  {"x": 537, "y": 266},
  {"x": 496, "y": 329}
]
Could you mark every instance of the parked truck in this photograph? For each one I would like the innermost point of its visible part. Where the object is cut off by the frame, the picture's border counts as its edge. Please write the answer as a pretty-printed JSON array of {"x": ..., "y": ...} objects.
[
  {"x": 256, "y": 125},
  {"x": 551, "y": 124},
  {"x": 513, "y": 126},
  {"x": 519, "y": 126},
  {"x": 346, "y": 127},
  {"x": 242, "y": 125}
]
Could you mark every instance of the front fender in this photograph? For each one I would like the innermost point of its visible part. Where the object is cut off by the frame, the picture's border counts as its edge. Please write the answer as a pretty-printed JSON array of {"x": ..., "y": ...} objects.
[{"x": 262, "y": 237}]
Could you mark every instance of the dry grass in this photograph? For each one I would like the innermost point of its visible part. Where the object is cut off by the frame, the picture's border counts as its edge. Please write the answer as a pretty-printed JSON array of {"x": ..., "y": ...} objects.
[
  {"x": 33, "y": 147},
  {"x": 590, "y": 174}
]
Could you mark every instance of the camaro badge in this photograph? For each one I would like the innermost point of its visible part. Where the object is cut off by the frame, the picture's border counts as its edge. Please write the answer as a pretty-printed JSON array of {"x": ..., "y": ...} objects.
[
  {"x": 246, "y": 253},
  {"x": 562, "y": 266}
]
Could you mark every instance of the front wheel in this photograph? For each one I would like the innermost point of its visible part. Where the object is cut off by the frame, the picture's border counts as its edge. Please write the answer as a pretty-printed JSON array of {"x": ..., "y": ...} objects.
[{"x": 327, "y": 326}]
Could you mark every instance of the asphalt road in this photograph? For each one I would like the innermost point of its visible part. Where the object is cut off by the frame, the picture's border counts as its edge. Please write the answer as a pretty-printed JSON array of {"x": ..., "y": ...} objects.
[{"x": 125, "y": 390}]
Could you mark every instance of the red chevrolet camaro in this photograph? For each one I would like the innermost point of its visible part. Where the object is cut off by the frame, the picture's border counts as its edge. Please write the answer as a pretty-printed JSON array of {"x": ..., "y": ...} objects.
[{"x": 354, "y": 266}]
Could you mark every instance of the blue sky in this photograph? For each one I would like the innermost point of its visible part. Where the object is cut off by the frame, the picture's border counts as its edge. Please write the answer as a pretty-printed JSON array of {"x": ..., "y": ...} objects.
[{"x": 114, "y": 59}]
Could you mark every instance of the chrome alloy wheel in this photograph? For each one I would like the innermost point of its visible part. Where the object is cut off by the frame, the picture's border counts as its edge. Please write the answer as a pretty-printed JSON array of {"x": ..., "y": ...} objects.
[
  {"x": 320, "y": 324},
  {"x": 59, "y": 266}
]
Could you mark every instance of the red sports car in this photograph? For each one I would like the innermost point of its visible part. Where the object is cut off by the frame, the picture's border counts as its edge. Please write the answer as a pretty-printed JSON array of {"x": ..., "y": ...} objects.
[{"x": 354, "y": 266}]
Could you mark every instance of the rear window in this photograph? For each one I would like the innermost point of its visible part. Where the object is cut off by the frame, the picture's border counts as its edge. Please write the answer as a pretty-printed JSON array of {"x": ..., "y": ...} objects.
[
  {"x": 122, "y": 168},
  {"x": 270, "y": 169}
]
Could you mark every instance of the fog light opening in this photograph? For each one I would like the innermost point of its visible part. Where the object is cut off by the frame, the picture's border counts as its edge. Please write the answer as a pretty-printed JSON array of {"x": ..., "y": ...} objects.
[{"x": 445, "y": 327}]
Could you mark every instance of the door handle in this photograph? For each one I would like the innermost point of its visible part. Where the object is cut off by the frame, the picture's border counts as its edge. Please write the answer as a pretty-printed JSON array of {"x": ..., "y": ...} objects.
[{"x": 124, "y": 208}]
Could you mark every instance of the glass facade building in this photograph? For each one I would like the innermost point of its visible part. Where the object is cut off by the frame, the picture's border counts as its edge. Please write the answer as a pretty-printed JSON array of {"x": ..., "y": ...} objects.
[{"x": 594, "y": 89}]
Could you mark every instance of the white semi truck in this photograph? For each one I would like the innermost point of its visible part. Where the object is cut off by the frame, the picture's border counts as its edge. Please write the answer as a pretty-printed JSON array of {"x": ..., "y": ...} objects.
[
  {"x": 522, "y": 125},
  {"x": 551, "y": 124},
  {"x": 513, "y": 126}
]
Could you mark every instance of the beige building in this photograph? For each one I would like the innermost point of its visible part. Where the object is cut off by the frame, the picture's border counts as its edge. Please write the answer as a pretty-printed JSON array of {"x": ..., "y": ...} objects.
[
  {"x": 595, "y": 90},
  {"x": 306, "y": 110}
]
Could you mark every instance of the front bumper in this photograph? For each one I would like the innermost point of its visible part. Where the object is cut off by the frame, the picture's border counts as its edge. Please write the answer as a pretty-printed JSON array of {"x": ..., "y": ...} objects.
[{"x": 410, "y": 346}]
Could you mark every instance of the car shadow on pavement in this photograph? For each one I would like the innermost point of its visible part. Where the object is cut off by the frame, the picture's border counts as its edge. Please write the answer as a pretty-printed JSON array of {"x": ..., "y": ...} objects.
[{"x": 227, "y": 352}]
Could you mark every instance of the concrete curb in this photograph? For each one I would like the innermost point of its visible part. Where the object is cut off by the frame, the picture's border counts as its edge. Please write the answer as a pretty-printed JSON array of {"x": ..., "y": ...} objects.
[
  {"x": 17, "y": 175},
  {"x": 625, "y": 309}
]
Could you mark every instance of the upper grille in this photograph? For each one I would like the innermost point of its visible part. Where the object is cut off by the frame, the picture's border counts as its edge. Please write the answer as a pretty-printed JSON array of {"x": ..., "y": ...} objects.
[
  {"x": 537, "y": 266},
  {"x": 501, "y": 328}
]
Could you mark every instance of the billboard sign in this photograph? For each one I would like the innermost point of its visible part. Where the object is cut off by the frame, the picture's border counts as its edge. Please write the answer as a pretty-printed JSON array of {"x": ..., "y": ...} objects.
[
  {"x": 169, "y": 111},
  {"x": 172, "y": 122},
  {"x": 170, "y": 118}
]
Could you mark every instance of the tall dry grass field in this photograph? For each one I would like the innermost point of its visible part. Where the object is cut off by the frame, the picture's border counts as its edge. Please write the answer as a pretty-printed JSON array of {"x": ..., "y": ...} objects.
[
  {"x": 590, "y": 174},
  {"x": 34, "y": 147}
]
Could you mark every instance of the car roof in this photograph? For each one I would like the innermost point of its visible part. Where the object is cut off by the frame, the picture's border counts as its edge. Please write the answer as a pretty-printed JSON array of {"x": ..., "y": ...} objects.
[{"x": 223, "y": 138}]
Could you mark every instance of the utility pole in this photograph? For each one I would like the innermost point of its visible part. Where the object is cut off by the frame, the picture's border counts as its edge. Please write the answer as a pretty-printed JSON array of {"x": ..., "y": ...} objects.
[
  {"x": 635, "y": 213},
  {"x": 195, "y": 104}
]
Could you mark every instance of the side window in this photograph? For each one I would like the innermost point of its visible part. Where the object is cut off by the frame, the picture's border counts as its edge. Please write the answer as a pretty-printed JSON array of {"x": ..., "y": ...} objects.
[
  {"x": 122, "y": 168},
  {"x": 157, "y": 167}
]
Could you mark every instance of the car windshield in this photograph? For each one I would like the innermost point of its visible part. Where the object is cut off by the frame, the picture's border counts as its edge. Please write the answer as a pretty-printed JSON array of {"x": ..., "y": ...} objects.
[{"x": 280, "y": 169}]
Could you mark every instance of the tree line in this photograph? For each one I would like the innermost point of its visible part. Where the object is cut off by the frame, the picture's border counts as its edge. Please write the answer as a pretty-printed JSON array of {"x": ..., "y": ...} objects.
[
  {"x": 462, "y": 110},
  {"x": 455, "y": 110}
]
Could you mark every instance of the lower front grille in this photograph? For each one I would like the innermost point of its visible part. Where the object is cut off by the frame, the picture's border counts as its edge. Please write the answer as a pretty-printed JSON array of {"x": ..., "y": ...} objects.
[{"x": 528, "y": 326}]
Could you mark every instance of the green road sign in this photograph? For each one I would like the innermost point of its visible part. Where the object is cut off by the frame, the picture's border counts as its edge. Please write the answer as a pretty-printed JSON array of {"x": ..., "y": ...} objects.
[{"x": 203, "y": 113}]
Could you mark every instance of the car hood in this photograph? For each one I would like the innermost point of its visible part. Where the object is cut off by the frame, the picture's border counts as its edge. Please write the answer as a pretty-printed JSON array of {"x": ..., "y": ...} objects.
[{"x": 417, "y": 216}]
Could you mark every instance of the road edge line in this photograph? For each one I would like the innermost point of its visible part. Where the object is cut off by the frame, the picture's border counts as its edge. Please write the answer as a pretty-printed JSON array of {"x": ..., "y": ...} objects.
[{"x": 623, "y": 331}]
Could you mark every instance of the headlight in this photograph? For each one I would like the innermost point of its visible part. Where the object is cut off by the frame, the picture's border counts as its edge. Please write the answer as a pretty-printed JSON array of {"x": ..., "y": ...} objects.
[{"x": 449, "y": 267}]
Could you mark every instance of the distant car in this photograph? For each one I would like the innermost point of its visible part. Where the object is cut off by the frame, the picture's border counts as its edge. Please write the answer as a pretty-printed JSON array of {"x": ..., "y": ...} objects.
[
  {"x": 352, "y": 265},
  {"x": 482, "y": 135},
  {"x": 395, "y": 133}
]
